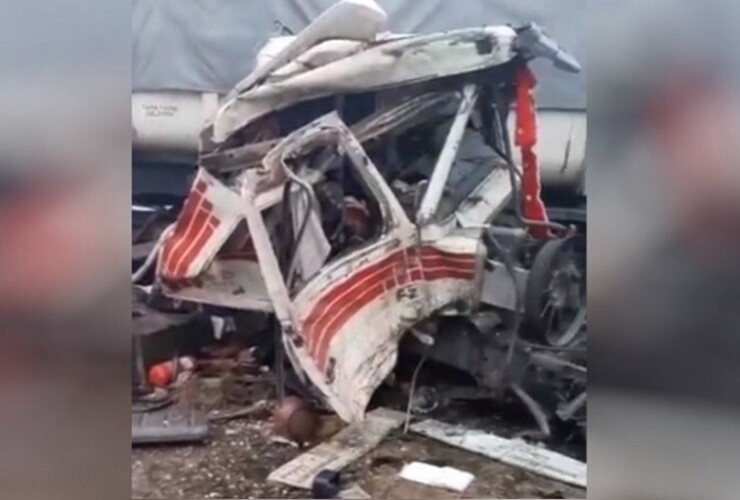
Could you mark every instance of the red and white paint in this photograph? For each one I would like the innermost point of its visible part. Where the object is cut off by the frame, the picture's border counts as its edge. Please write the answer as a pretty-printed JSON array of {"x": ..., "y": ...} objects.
[{"x": 344, "y": 325}]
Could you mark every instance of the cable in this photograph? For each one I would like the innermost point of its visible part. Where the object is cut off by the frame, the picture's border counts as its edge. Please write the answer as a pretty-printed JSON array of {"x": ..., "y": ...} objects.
[
  {"x": 311, "y": 202},
  {"x": 411, "y": 392},
  {"x": 535, "y": 408}
]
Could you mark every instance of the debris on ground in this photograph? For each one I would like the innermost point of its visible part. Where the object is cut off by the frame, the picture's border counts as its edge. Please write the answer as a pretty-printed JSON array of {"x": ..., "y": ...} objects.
[
  {"x": 295, "y": 420},
  {"x": 178, "y": 421},
  {"x": 342, "y": 449},
  {"x": 355, "y": 225},
  {"x": 239, "y": 454},
  {"x": 510, "y": 451},
  {"x": 354, "y": 492},
  {"x": 440, "y": 477}
]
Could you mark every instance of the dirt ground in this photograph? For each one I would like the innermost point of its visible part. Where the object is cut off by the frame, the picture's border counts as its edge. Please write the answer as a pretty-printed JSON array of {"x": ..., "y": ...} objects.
[{"x": 239, "y": 455}]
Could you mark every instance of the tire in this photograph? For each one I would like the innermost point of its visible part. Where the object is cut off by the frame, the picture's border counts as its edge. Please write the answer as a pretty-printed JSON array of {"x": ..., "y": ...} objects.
[{"x": 545, "y": 264}]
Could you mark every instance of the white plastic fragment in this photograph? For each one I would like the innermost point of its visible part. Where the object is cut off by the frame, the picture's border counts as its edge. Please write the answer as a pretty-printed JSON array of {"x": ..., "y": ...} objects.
[
  {"x": 509, "y": 451},
  {"x": 440, "y": 477},
  {"x": 219, "y": 325}
]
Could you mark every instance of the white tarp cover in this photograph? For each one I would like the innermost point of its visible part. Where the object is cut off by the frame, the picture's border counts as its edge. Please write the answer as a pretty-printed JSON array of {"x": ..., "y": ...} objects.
[{"x": 210, "y": 45}]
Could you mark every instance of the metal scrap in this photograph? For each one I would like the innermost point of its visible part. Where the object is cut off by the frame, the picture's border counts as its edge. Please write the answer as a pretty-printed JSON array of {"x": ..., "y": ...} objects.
[
  {"x": 509, "y": 451},
  {"x": 369, "y": 192}
]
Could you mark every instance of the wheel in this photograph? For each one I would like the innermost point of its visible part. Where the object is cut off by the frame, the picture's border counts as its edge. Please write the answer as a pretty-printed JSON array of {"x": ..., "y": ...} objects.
[{"x": 555, "y": 297}]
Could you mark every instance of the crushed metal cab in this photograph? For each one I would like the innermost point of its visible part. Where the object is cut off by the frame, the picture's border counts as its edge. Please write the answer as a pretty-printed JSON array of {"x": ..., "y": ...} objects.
[{"x": 350, "y": 186}]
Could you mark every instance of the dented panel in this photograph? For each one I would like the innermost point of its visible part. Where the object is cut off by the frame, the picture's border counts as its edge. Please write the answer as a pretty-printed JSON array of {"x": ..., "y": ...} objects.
[
  {"x": 365, "y": 259},
  {"x": 389, "y": 63},
  {"x": 208, "y": 218},
  {"x": 343, "y": 327}
]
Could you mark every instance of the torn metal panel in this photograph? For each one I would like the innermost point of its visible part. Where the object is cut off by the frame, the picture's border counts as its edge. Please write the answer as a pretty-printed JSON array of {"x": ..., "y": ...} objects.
[
  {"x": 487, "y": 200},
  {"x": 350, "y": 327},
  {"x": 348, "y": 19},
  {"x": 267, "y": 259},
  {"x": 344, "y": 325},
  {"x": 247, "y": 156},
  {"x": 208, "y": 218},
  {"x": 341, "y": 450},
  {"x": 446, "y": 157},
  {"x": 233, "y": 283},
  {"x": 394, "y": 118},
  {"x": 498, "y": 288},
  {"x": 319, "y": 55},
  {"x": 407, "y": 112},
  {"x": 387, "y": 64},
  {"x": 347, "y": 320},
  {"x": 509, "y": 451},
  {"x": 326, "y": 304},
  {"x": 209, "y": 256}
]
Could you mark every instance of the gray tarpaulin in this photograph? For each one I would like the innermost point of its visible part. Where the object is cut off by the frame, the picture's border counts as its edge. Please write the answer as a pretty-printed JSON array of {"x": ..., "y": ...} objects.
[{"x": 209, "y": 45}]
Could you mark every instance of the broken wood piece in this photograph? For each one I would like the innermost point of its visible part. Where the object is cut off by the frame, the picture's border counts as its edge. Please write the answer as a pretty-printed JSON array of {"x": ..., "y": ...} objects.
[
  {"x": 509, "y": 451},
  {"x": 341, "y": 450},
  {"x": 440, "y": 477}
]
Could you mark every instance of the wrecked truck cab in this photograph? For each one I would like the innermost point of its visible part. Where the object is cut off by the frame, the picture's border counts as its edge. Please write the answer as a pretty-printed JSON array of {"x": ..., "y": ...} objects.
[
  {"x": 352, "y": 230},
  {"x": 343, "y": 310}
]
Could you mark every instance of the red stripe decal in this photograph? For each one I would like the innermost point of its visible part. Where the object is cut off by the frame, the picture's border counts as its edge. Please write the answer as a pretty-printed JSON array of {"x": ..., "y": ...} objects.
[
  {"x": 335, "y": 324},
  {"x": 181, "y": 258},
  {"x": 340, "y": 303},
  {"x": 179, "y": 236},
  {"x": 341, "y": 317},
  {"x": 349, "y": 285},
  {"x": 321, "y": 332},
  {"x": 196, "y": 247},
  {"x": 183, "y": 222}
]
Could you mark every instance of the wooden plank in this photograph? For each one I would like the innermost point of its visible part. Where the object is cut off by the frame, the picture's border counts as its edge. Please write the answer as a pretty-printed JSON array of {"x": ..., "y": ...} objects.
[
  {"x": 345, "y": 447},
  {"x": 513, "y": 452}
]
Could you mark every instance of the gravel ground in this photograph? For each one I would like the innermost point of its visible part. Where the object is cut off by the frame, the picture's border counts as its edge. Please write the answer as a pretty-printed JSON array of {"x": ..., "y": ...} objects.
[{"x": 240, "y": 454}]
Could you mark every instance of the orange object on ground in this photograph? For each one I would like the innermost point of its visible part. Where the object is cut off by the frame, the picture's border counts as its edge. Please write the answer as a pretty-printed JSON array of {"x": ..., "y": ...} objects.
[{"x": 162, "y": 374}]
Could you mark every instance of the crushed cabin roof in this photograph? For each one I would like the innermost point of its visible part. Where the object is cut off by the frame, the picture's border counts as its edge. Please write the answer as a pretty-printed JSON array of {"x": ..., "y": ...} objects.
[{"x": 343, "y": 51}]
